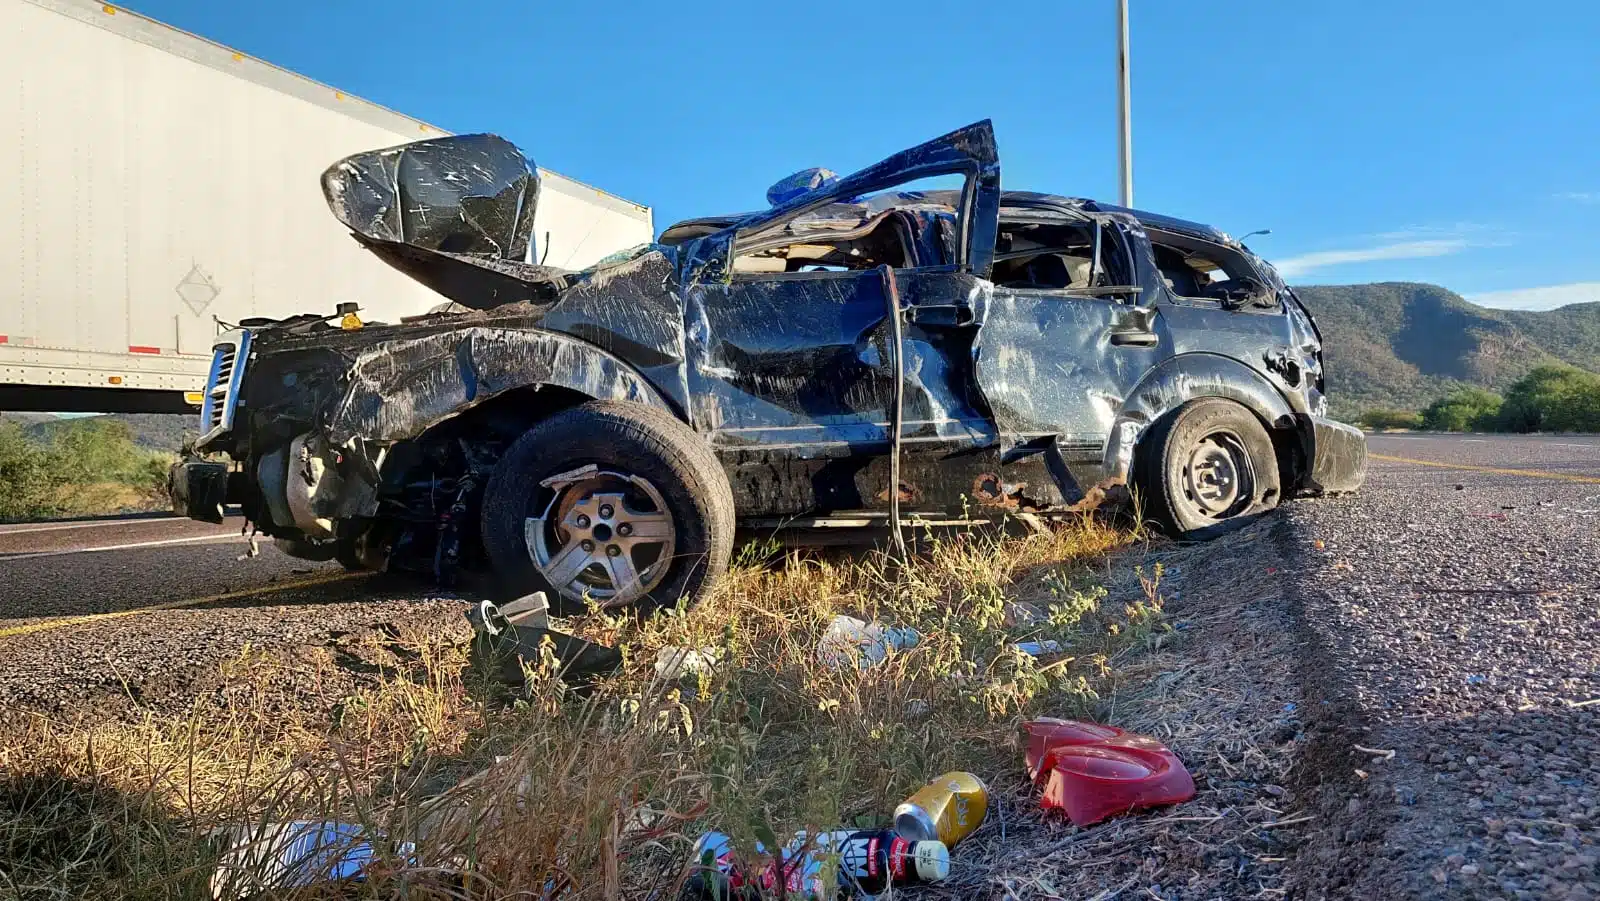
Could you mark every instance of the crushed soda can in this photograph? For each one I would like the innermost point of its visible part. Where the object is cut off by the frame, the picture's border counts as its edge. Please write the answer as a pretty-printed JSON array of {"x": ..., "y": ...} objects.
[{"x": 949, "y": 809}]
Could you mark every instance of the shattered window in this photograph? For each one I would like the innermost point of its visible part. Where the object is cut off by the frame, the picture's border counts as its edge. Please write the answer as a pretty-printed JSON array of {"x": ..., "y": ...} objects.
[
  {"x": 881, "y": 239},
  {"x": 1053, "y": 257},
  {"x": 1202, "y": 270}
]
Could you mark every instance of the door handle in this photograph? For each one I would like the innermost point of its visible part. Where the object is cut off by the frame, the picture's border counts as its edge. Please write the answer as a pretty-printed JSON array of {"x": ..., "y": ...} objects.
[
  {"x": 948, "y": 315},
  {"x": 1134, "y": 339},
  {"x": 1133, "y": 329}
]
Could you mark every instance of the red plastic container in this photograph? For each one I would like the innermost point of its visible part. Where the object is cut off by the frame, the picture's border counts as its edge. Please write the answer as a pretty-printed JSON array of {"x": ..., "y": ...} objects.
[
  {"x": 1047, "y": 733},
  {"x": 1093, "y": 771}
]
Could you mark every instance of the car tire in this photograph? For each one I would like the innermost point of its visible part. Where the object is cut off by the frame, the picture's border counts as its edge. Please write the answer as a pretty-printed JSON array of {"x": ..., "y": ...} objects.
[
  {"x": 636, "y": 480},
  {"x": 1207, "y": 468}
]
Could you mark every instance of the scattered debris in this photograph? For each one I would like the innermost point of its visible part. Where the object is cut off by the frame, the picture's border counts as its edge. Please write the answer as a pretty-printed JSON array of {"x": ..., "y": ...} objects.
[
  {"x": 949, "y": 809},
  {"x": 674, "y": 661},
  {"x": 530, "y": 611},
  {"x": 1038, "y": 648},
  {"x": 1386, "y": 754},
  {"x": 854, "y": 642},
  {"x": 1019, "y": 614},
  {"x": 1092, "y": 771},
  {"x": 502, "y": 648},
  {"x": 867, "y": 863},
  {"x": 271, "y": 857}
]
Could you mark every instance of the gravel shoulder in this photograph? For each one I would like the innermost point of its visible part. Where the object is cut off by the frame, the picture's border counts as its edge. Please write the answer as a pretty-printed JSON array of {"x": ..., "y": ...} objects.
[{"x": 1453, "y": 618}]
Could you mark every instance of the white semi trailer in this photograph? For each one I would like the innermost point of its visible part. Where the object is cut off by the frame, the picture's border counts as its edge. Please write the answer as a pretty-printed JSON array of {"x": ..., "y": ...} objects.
[{"x": 160, "y": 183}]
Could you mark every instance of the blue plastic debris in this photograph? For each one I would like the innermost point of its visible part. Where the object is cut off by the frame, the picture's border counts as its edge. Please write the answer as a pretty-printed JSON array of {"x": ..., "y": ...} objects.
[
  {"x": 1477, "y": 679},
  {"x": 276, "y": 856},
  {"x": 803, "y": 182}
]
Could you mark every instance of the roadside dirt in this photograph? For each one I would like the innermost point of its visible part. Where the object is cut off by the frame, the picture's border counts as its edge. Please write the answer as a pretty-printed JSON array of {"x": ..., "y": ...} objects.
[
  {"x": 1289, "y": 805},
  {"x": 1224, "y": 691}
]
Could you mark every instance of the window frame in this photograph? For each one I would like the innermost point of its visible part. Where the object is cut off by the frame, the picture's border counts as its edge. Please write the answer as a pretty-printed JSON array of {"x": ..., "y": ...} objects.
[
  {"x": 1163, "y": 239},
  {"x": 1124, "y": 295}
]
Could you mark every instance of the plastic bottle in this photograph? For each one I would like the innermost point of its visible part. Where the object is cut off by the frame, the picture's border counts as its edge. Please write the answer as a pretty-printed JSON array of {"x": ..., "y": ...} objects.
[
  {"x": 854, "y": 642},
  {"x": 873, "y": 860},
  {"x": 1039, "y": 648},
  {"x": 674, "y": 661}
]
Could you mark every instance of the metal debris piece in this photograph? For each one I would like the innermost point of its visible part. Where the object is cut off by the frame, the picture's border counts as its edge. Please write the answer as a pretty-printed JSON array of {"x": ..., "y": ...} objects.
[{"x": 501, "y": 647}]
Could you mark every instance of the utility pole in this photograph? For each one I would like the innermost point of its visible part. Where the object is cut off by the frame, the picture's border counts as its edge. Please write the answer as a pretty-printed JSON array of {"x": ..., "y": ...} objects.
[{"x": 1124, "y": 114}]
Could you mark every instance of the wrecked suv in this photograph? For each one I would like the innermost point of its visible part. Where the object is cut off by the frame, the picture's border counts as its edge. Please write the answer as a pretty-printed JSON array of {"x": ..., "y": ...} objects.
[{"x": 859, "y": 353}]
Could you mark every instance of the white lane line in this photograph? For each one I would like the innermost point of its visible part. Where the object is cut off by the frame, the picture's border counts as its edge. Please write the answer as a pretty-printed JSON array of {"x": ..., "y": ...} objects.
[
  {"x": 9, "y": 530},
  {"x": 120, "y": 547}
]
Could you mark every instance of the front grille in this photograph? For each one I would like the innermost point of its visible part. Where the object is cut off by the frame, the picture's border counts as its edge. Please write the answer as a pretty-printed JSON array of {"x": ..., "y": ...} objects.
[{"x": 228, "y": 358}]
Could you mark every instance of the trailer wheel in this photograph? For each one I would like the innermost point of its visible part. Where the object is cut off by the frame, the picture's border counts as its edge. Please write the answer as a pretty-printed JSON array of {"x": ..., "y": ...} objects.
[
  {"x": 612, "y": 504},
  {"x": 1207, "y": 468}
]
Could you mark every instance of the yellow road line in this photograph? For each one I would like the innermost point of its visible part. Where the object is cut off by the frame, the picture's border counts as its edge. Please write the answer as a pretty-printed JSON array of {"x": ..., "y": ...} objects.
[
  {"x": 64, "y": 622},
  {"x": 1530, "y": 473}
]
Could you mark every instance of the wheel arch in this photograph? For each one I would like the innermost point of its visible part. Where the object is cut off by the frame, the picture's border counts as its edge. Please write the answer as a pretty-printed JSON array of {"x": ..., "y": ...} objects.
[
  {"x": 1187, "y": 377},
  {"x": 398, "y": 390}
]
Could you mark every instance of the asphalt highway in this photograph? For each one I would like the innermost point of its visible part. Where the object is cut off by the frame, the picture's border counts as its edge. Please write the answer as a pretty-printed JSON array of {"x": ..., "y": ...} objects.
[{"x": 96, "y": 614}]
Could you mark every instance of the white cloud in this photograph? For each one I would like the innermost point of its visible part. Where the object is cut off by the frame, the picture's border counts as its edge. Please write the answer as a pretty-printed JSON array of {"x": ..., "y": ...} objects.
[
  {"x": 1546, "y": 298},
  {"x": 1293, "y": 267},
  {"x": 1580, "y": 196}
]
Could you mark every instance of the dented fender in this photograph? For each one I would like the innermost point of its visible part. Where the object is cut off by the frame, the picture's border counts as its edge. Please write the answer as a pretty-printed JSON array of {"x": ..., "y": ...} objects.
[
  {"x": 1178, "y": 380},
  {"x": 399, "y": 389}
]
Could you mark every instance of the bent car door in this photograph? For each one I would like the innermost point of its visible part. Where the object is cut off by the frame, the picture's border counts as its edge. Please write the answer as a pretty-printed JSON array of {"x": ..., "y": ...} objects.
[
  {"x": 1065, "y": 338},
  {"x": 787, "y": 321}
]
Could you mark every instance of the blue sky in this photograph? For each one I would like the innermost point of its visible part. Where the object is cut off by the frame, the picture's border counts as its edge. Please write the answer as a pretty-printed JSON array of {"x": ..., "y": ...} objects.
[{"x": 1430, "y": 140}]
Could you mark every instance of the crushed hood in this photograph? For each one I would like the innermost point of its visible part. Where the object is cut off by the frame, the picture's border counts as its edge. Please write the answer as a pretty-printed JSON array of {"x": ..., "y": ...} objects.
[{"x": 454, "y": 213}]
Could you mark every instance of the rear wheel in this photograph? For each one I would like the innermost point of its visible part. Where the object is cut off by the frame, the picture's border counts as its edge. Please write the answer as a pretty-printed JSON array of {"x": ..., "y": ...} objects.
[
  {"x": 611, "y": 504},
  {"x": 1207, "y": 468}
]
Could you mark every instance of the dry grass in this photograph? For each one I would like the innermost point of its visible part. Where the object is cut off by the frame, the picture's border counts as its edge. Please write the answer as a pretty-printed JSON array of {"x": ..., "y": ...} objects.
[
  {"x": 597, "y": 794},
  {"x": 1220, "y": 689}
]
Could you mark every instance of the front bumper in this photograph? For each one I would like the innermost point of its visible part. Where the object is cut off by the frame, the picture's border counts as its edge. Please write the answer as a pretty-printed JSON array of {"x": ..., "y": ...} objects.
[
  {"x": 1338, "y": 457},
  {"x": 199, "y": 490}
]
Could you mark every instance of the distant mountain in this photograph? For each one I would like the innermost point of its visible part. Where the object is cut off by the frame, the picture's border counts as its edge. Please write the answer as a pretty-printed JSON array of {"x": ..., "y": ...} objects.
[
  {"x": 153, "y": 431},
  {"x": 1399, "y": 345}
]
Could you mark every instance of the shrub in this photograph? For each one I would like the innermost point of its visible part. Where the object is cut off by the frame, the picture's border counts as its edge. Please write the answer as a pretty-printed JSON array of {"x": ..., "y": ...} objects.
[
  {"x": 1553, "y": 399},
  {"x": 1468, "y": 408},
  {"x": 29, "y": 482},
  {"x": 1390, "y": 419},
  {"x": 80, "y": 467}
]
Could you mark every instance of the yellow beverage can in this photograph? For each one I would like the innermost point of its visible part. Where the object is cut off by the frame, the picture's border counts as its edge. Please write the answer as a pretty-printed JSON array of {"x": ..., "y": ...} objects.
[{"x": 948, "y": 809}]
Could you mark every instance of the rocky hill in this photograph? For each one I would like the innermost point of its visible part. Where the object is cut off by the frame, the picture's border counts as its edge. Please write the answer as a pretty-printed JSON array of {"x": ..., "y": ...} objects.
[{"x": 1399, "y": 345}]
